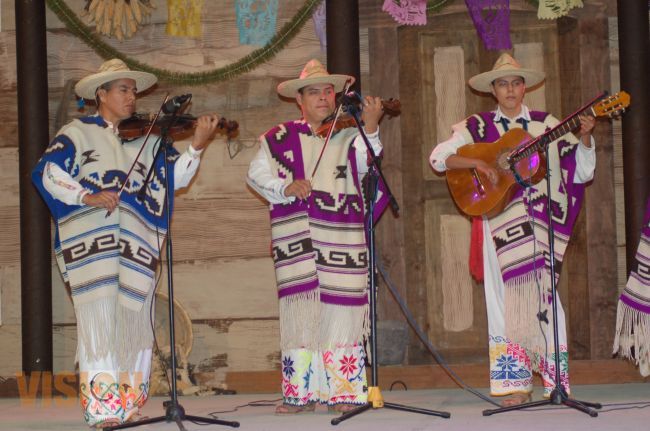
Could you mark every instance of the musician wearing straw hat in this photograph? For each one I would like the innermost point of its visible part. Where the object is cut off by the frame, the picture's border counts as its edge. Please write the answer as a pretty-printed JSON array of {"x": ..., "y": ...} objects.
[
  {"x": 318, "y": 243},
  {"x": 107, "y": 242},
  {"x": 508, "y": 250}
]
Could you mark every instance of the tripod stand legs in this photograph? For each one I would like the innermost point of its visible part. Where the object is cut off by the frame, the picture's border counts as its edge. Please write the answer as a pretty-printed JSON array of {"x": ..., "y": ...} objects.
[
  {"x": 403, "y": 408},
  {"x": 376, "y": 401},
  {"x": 393, "y": 406},
  {"x": 174, "y": 412},
  {"x": 348, "y": 415},
  {"x": 557, "y": 397}
]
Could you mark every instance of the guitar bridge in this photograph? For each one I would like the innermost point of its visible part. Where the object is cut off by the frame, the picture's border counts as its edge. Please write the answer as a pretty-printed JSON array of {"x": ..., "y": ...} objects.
[{"x": 477, "y": 182}]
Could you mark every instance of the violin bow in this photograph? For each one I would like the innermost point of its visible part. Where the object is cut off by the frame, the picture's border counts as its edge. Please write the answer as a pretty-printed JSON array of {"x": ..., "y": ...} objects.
[
  {"x": 348, "y": 83},
  {"x": 137, "y": 157}
]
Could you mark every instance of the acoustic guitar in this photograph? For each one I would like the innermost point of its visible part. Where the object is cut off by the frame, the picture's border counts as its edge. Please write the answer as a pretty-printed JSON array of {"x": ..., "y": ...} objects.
[{"x": 518, "y": 158}]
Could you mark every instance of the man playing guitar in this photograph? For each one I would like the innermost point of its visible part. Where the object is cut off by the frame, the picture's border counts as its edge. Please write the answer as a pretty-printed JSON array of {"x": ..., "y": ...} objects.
[{"x": 514, "y": 245}]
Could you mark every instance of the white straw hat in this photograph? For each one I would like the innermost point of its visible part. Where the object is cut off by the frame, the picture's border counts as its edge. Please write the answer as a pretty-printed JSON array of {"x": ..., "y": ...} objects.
[
  {"x": 313, "y": 73},
  {"x": 110, "y": 71},
  {"x": 504, "y": 66}
]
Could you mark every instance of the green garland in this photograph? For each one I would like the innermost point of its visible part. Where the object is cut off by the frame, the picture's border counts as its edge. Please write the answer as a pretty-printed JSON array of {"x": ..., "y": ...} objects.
[{"x": 245, "y": 64}]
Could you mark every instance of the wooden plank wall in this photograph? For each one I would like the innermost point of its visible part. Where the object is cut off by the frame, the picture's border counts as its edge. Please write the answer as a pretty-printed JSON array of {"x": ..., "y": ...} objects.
[{"x": 223, "y": 273}]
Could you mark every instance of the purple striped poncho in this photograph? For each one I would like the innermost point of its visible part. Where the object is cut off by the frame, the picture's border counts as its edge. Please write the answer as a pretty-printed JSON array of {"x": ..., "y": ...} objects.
[
  {"x": 633, "y": 316},
  {"x": 319, "y": 246}
]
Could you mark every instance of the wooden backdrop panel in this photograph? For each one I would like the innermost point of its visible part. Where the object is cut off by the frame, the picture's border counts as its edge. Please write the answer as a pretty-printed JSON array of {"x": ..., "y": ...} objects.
[
  {"x": 531, "y": 56},
  {"x": 10, "y": 235},
  {"x": 412, "y": 131},
  {"x": 617, "y": 137},
  {"x": 384, "y": 82},
  {"x": 226, "y": 288},
  {"x": 10, "y": 294},
  {"x": 214, "y": 228},
  {"x": 599, "y": 202},
  {"x": 456, "y": 282},
  {"x": 224, "y": 346},
  {"x": 447, "y": 276},
  {"x": 9, "y": 189},
  {"x": 448, "y": 62}
]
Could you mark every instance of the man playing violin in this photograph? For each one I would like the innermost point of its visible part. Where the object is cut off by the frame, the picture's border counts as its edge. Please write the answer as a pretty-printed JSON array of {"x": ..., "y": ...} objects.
[
  {"x": 508, "y": 250},
  {"x": 318, "y": 242},
  {"x": 108, "y": 236}
]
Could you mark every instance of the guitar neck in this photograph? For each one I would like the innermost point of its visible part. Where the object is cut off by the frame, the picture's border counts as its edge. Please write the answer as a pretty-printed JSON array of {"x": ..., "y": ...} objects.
[{"x": 565, "y": 126}]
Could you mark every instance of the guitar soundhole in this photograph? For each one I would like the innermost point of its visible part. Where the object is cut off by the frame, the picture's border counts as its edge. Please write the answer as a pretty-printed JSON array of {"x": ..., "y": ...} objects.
[{"x": 502, "y": 160}]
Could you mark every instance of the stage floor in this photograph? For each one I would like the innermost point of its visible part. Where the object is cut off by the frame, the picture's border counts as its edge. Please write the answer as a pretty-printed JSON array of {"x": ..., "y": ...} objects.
[{"x": 465, "y": 408}]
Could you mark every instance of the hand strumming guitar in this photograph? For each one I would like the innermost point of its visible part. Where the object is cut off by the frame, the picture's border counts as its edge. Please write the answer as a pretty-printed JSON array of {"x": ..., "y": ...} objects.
[{"x": 459, "y": 162}]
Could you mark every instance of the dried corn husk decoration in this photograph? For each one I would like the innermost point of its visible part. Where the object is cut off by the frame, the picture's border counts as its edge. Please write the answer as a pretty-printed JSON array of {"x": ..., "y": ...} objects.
[
  {"x": 184, "y": 18},
  {"x": 117, "y": 18}
]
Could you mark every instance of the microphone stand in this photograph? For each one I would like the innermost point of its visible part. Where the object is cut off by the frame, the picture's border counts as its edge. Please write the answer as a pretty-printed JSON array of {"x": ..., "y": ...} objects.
[
  {"x": 174, "y": 412},
  {"x": 558, "y": 395},
  {"x": 375, "y": 399}
]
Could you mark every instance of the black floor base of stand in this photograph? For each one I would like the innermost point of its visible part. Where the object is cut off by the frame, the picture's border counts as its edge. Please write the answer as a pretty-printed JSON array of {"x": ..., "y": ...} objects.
[
  {"x": 558, "y": 397},
  {"x": 378, "y": 403},
  {"x": 174, "y": 412}
]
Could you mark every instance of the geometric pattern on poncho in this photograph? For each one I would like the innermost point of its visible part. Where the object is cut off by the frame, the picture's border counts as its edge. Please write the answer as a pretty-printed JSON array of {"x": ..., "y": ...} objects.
[{"x": 319, "y": 248}]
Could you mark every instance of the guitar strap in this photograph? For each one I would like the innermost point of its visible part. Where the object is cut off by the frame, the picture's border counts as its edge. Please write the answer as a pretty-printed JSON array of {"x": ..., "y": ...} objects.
[{"x": 505, "y": 123}]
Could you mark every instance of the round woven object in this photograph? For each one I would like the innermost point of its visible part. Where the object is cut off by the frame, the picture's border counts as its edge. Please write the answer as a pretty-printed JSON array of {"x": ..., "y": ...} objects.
[{"x": 182, "y": 323}]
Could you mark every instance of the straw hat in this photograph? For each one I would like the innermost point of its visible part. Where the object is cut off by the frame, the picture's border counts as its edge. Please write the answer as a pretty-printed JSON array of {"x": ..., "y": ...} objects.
[
  {"x": 504, "y": 66},
  {"x": 110, "y": 71},
  {"x": 313, "y": 73}
]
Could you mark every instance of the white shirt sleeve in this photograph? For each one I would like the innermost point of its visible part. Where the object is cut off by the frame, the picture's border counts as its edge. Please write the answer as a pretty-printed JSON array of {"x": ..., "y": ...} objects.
[
  {"x": 361, "y": 151},
  {"x": 262, "y": 180},
  {"x": 585, "y": 162},
  {"x": 62, "y": 186},
  {"x": 185, "y": 167},
  {"x": 445, "y": 149}
]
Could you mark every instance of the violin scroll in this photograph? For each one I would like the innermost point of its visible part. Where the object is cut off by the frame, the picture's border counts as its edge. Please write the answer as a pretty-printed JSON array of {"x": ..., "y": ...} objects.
[{"x": 392, "y": 107}]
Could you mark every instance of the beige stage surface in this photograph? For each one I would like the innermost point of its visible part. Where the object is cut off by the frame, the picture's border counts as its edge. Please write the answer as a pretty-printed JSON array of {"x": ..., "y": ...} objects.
[{"x": 465, "y": 408}]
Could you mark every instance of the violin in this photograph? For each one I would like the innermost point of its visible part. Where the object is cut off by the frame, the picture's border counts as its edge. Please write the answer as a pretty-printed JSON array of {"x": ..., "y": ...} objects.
[
  {"x": 392, "y": 108},
  {"x": 137, "y": 126}
]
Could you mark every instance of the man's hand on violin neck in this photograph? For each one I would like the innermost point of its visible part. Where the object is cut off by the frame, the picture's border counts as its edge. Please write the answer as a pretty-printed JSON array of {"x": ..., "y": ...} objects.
[
  {"x": 371, "y": 114},
  {"x": 206, "y": 126},
  {"x": 299, "y": 188},
  {"x": 104, "y": 199}
]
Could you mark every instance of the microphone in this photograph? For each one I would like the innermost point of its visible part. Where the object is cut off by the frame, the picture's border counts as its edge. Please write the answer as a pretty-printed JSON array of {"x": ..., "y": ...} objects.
[{"x": 175, "y": 103}]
